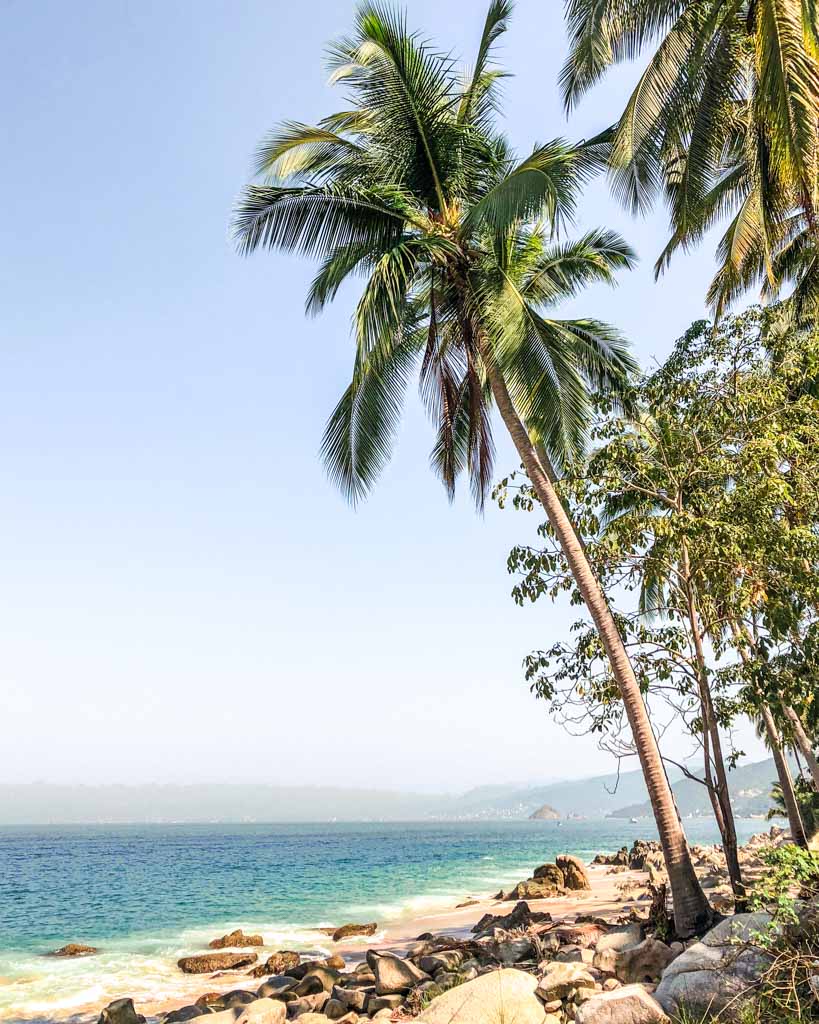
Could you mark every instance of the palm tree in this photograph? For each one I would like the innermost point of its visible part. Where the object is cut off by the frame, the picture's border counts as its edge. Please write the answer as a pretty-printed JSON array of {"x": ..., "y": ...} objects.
[
  {"x": 723, "y": 121},
  {"x": 413, "y": 188}
]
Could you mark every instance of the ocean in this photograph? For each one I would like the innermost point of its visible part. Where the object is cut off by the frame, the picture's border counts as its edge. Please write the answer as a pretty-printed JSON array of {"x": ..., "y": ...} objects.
[{"x": 149, "y": 894}]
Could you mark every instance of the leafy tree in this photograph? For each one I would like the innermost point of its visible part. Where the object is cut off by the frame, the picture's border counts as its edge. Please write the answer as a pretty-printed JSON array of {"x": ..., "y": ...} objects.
[
  {"x": 723, "y": 122},
  {"x": 413, "y": 187}
]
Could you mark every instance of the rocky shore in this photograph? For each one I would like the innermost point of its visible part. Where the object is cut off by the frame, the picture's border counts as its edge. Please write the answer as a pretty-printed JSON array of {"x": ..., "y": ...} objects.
[{"x": 572, "y": 943}]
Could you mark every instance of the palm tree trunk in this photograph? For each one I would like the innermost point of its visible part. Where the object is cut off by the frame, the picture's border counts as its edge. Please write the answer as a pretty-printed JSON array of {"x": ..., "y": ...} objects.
[
  {"x": 785, "y": 780},
  {"x": 804, "y": 743},
  {"x": 723, "y": 811},
  {"x": 692, "y": 913}
]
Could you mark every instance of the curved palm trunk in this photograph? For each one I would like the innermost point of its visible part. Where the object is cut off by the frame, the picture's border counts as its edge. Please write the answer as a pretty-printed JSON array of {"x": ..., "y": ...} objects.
[
  {"x": 785, "y": 780},
  {"x": 804, "y": 744},
  {"x": 692, "y": 913}
]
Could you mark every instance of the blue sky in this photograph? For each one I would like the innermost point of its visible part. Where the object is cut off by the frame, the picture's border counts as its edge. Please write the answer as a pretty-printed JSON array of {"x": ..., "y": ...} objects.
[{"x": 184, "y": 596}]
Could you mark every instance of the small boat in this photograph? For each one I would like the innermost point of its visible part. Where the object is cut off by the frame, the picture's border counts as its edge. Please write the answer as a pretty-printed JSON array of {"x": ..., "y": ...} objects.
[{"x": 634, "y": 821}]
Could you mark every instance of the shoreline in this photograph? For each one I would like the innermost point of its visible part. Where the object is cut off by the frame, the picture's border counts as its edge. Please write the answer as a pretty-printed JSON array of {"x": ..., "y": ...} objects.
[{"x": 395, "y": 935}]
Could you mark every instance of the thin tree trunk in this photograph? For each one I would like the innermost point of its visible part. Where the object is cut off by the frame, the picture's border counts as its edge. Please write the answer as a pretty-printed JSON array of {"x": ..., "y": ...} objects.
[
  {"x": 723, "y": 811},
  {"x": 782, "y": 770},
  {"x": 785, "y": 780},
  {"x": 692, "y": 913},
  {"x": 803, "y": 743}
]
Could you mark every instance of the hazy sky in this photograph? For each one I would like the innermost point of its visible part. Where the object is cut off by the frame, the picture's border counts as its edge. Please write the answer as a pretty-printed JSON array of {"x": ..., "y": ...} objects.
[{"x": 184, "y": 596}]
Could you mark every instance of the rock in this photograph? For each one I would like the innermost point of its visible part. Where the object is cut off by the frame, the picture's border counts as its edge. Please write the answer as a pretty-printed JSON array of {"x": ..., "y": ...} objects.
[
  {"x": 446, "y": 960},
  {"x": 304, "y": 1018},
  {"x": 277, "y": 963},
  {"x": 312, "y": 984},
  {"x": 236, "y": 939},
  {"x": 392, "y": 974},
  {"x": 610, "y": 984},
  {"x": 545, "y": 813},
  {"x": 207, "y": 963},
  {"x": 558, "y": 979},
  {"x": 553, "y": 1006},
  {"x": 585, "y": 935},
  {"x": 314, "y": 1003},
  {"x": 620, "y": 858},
  {"x": 276, "y": 986},
  {"x": 533, "y": 889},
  {"x": 263, "y": 1011},
  {"x": 184, "y": 1013},
  {"x": 574, "y": 872},
  {"x": 346, "y": 931},
  {"x": 644, "y": 962},
  {"x": 641, "y": 852},
  {"x": 386, "y": 1002},
  {"x": 512, "y": 950},
  {"x": 208, "y": 999},
  {"x": 383, "y": 1014},
  {"x": 575, "y": 955},
  {"x": 621, "y": 937},
  {"x": 717, "y": 975},
  {"x": 75, "y": 949},
  {"x": 506, "y": 996},
  {"x": 334, "y": 1009},
  {"x": 352, "y": 998},
  {"x": 121, "y": 1011},
  {"x": 217, "y": 1017},
  {"x": 520, "y": 917},
  {"x": 466, "y": 903},
  {"x": 327, "y": 976},
  {"x": 550, "y": 873},
  {"x": 630, "y": 1004}
]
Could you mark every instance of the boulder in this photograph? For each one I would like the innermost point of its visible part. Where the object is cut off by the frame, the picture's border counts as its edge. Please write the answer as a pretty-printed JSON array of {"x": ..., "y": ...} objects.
[
  {"x": 644, "y": 962},
  {"x": 334, "y": 1009},
  {"x": 511, "y": 949},
  {"x": 263, "y": 1011},
  {"x": 184, "y": 1013},
  {"x": 387, "y": 1002},
  {"x": 719, "y": 974},
  {"x": 276, "y": 963},
  {"x": 207, "y": 963},
  {"x": 574, "y": 872},
  {"x": 446, "y": 960},
  {"x": 506, "y": 996},
  {"x": 559, "y": 979},
  {"x": 314, "y": 1003},
  {"x": 352, "y": 998},
  {"x": 620, "y": 858},
  {"x": 575, "y": 955},
  {"x": 75, "y": 949},
  {"x": 121, "y": 1011},
  {"x": 630, "y": 1004},
  {"x": 621, "y": 937},
  {"x": 534, "y": 889},
  {"x": 304, "y": 1018},
  {"x": 346, "y": 931},
  {"x": 235, "y": 940},
  {"x": 312, "y": 984},
  {"x": 276, "y": 986},
  {"x": 392, "y": 974},
  {"x": 326, "y": 976}
]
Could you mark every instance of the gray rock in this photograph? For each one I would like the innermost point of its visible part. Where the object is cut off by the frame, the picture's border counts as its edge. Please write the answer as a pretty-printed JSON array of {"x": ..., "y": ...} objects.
[
  {"x": 630, "y": 1004},
  {"x": 263, "y": 1011},
  {"x": 182, "y": 1014},
  {"x": 387, "y": 1002},
  {"x": 276, "y": 986},
  {"x": 559, "y": 979},
  {"x": 121, "y": 1011},
  {"x": 392, "y": 974},
  {"x": 575, "y": 955},
  {"x": 353, "y": 998},
  {"x": 644, "y": 962},
  {"x": 505, "y": 996},
  {"x": 210, "y": 962},
  {"x": 334, "y": 1009},
  {"x": 326, "y": 976},
  {"x": 719, "y": 974},
  {"x": 512, "y": 950},
  {"x": 621, "y": 938},
  {"x": 447, "y": 960}
]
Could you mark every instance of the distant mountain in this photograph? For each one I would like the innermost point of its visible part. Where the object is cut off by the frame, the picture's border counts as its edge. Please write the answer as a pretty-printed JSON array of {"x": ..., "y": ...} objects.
[
  {"x": 545, "y": 813},
  {"x": 601, "y": 796},
  {"x": 750, "y": 787}
]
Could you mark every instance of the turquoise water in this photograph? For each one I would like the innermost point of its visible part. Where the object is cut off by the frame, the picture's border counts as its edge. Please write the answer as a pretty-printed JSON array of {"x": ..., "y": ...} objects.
[{"x": 148, "y": 894}]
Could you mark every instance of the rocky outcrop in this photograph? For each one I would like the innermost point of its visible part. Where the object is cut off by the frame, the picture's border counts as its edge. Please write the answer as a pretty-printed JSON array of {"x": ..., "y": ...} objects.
[
  {"x": 236, "y": 940},
  {"x": 499, "y": 997},
  {"x": 574, "y": 872},
  {"x": 717, "y": 975},
  {"x": 121, "y": 1011},
  {"x": 347, "y": 931},
  {"x": 206, "y": 963},
  {"x": 75, "y": 949},
  {"x": 630, "y": 1004},
  {"x": 545, "y": 813}
]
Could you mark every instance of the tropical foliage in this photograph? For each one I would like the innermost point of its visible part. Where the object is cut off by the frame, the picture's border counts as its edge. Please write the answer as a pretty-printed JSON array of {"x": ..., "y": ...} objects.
[{"x": 723, "y": 123}]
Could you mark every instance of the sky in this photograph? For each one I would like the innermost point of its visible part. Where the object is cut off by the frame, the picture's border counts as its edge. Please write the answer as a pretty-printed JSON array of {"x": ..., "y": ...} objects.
[{"x": 184, "y": 597}]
